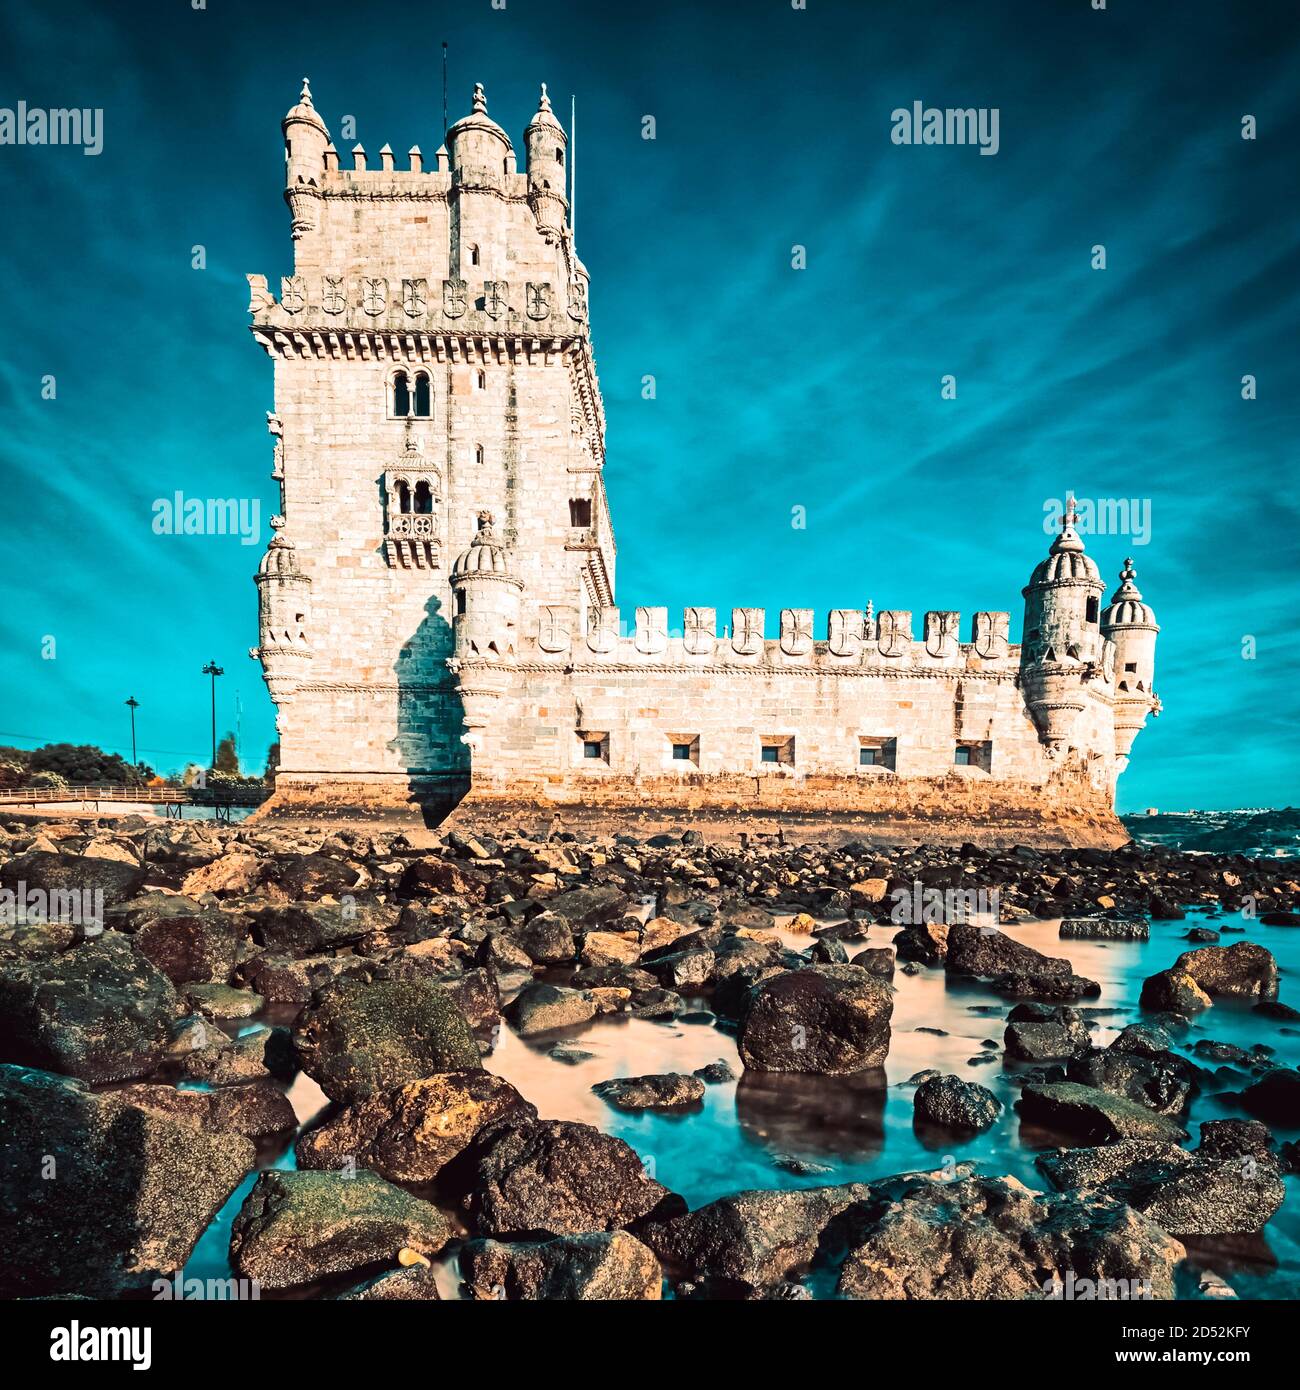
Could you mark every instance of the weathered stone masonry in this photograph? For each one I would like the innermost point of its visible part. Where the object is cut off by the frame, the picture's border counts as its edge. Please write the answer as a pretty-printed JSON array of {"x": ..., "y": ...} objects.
[{"x": 438, "y": 615}]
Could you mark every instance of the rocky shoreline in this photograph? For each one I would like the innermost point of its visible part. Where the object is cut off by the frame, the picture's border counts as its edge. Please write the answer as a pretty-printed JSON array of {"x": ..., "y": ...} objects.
[{"x": 146, "y": 1051}]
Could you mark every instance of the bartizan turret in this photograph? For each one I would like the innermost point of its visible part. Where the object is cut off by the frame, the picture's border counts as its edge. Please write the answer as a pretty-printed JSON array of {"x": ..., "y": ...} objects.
[
  {"x": 1130, "y": 624},
  {"x": 283, "y": 594},
  {"x": 1062, "y": 646},
  {"x": 305, "y": 143},
  {"x": 485, "y": 623},
  {"x": 547, "y": 151}
]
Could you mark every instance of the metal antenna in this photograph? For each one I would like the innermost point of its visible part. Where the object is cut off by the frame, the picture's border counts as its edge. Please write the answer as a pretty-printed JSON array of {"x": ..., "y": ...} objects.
[
  {"x": 573, "y": 157},
  {"x": 444, "y": 90}
]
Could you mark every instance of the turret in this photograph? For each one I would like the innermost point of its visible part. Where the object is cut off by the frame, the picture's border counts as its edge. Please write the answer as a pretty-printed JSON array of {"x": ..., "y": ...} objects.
[
  {"x": 305, "y": 143},
  {"x": 485, "y": 623},
  {"x": 283, "y": 594},
  {"x": 1131, "y": 626},
  {"x": 479, "y": 147},
  {"x": 547, "y": 151},
  {"x": 1062, "y": 644}
]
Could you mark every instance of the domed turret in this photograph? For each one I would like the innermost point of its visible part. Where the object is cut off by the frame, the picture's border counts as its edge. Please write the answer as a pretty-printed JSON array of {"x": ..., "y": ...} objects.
[
  {"x": 1130, "y": 624},
  {"x": 485, "y": 621},
  {"x": 547, "y": 180},
  {"x": 1062, "y": 641},
  {"x": 479, "y": 147},
  {"x": 283, "y": 592},
  {"x": 305, "y": 143}
]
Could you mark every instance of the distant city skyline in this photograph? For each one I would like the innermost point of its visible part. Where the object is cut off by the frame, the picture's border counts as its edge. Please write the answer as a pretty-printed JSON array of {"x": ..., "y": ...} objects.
[{"x": 797, "y": 448}]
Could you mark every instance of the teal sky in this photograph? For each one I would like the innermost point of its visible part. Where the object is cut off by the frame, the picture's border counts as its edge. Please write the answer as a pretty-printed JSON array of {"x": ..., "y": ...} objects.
[{"x": 776, "y": 388}]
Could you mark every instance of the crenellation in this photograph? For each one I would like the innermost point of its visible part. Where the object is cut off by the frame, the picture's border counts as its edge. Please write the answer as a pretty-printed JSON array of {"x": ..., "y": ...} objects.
[{"x": 438, "y": 611}]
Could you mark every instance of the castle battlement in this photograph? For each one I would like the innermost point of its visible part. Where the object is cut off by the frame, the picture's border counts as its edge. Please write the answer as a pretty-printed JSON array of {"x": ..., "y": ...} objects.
[{"x": 438, "y": 608}]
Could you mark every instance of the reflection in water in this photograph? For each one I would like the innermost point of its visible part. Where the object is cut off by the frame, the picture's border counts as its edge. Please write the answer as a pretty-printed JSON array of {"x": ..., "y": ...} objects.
[
  {"x": 789, "y": 1131},
  {"x": 840, "y": 1117}
]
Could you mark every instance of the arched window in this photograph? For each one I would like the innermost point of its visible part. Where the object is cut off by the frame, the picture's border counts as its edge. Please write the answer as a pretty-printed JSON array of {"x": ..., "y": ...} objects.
[
  {"x": 460, "y": 600},
  {"x": 401, "y": 395},
  {"x": 422, "y": 397},
  {"x": 473, "y": 254},
  {"x": 1092, "y": 609},
  {"x": 423, "y": 499},
  {"x": 559, "y": 156},
  {"x": 478, "y": 453},
  {"x": 403, "y": 496},
  {"x": 482, "y": 381}
]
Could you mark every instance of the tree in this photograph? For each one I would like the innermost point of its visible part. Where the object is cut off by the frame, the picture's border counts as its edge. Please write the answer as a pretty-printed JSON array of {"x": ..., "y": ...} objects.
[
  {"x": 84, "y": 765},
  {"x": 227, "y": 758},
  {"x": 272, "y": 762}
]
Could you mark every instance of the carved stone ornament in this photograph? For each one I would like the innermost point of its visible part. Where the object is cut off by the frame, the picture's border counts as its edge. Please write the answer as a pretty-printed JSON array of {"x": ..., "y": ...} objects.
[
  {"x": 991, "y": 634},
  {"x": 701, "y": 631},
  {"x": 651, "y": 630},
  {"x": 334, "y": 296},
  {"x": 293, "y": 293},
  {"x": 374, "y": 294},
  {"x": 941, "y": 630},
  {"x": 796, "y": 631},
  {"x": 747, "y": 631},
  {"x": 415, "y": 297},
  {"x": 602, "y": 634},
  {"x": 494, "y": 297},
  {"x": 539, "y": 300},
  {"x": 455, "y": 298},
  {"x": 578, "y": 301},
  {"x": 556, "y": 631},
  {"x": 844, "y": 632},
  {"x": 895, "y": 632}
]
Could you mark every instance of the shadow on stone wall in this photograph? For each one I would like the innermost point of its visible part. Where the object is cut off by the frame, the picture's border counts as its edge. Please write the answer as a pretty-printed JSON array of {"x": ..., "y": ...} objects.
[{"x": 430, "y": 718}]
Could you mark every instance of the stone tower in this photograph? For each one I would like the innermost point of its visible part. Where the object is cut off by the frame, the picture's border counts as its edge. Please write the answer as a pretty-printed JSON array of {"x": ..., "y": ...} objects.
[
  {"x": 1131, "y": 626},
  {"x": 432, "y": 362},
  {"x": 1062, "y": 647}
]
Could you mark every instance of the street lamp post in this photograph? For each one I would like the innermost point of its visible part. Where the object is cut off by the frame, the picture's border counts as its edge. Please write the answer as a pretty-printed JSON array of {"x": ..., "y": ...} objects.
[
  {"x": 134, "y": 705},
  {"x": 213, "y": 670}
]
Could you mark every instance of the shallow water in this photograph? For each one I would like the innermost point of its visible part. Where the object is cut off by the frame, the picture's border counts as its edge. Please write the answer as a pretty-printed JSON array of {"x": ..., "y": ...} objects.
[{"x": 752, "y": 1132}]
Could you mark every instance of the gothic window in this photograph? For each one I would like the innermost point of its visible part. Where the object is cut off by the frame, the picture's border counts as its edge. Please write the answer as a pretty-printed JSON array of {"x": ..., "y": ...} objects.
[
  {"x": 580, "y": 511},
  {"x": 478, "y": 453},
  {"x": 481, "y": 381},
  {"x": 1092, "y": 609},
  {"x": 460, "y": 602},
  {"x": 401, "y": 395},
  {"x": 423, "y": 498},
  {"x": 473, "y": 255},
  {"x": 403, "y": 496},
  {"x": 559, "y": 156},
  {"x": 423, "y": 402}
]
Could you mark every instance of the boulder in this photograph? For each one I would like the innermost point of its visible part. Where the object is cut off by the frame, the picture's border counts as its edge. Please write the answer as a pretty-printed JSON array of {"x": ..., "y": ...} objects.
[
  {"x": 1275, "y": 1097},
  {"x": 192, "y": 947},
  {"x": 985, "y": 952},
  {"x": 235, "y": 874},
  {"x": 950, "y": 1103},
  {"x": 410, "y": 1133},
  {"x": 879, "y": 960},
  {"x": 542, "y": 1007},
  {"x": 1240, "y": 971},
  {"x": 1104, "y": 929},
  {"x": 919, "y": 1237},
  {"x": 828, "y": 1019},
  {"x": 1163, "y": 1086},
  {"x": 558, "y": 1177},
  {"x": 926, "y": 944},
  {"x": 1173, "y": 992},
  {"x": 256, "y": 1110},
  {"x": 605, "y": 1266},
  {"x": 751, "y": 1239},
  {"x": 418, "y": 1283},
  {"x": 297, "y": 1228},
  {"x": 358, "y": 1037},
  {"x": 1092, "y": 1116},
  {"x": 671, "y": 1091},
  {"x": 97, "y": 1010},
  {"x": 1186, "y": 1194},
  {"x": 610, "y": 948},
  {"x": 547, "y": 940},
  {"x": 585, "y": 908},
  {"x": 1041, "y": 1033},
  {"x": 76, "y": 888},
  {"x": 128, "y": 1195}
]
